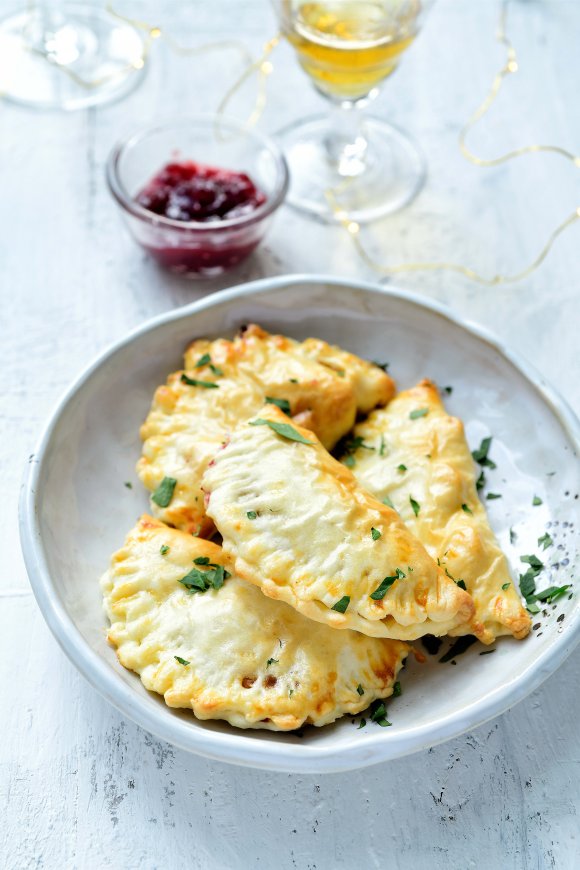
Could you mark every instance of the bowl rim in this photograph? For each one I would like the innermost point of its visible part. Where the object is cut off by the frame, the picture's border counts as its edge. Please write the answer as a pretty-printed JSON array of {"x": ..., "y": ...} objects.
[
  {"x": 126, "y": 201},
  {"x": 233, "y": 746}
]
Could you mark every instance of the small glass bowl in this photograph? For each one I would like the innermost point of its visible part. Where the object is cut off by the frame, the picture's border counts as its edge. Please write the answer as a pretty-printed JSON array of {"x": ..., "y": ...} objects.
[{"x": 195, "y": 248}]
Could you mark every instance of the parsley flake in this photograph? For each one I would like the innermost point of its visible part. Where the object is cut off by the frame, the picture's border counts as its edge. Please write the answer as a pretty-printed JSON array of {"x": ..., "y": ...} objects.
[
  {"x": 375, "y": 534},
  {"x": 506, "y": 586},
  {"x": 201, "y": 560},
  {"x": 551, "y": 593},
  {"x": 284, "y": 429},
  {"x": 271, "y": 662},
  {"x": 533, "y": 562},
  {"x": 181, "y": 661},
  {"x": 379, "y": 714},
  {"x": 513, "y": 536},
  {"x": 491, "y": 495},
  {"x": 201, "y": 581},
  {"x": 382, "y": 446},
  {"x": 193, "y": 382},
  {"x": 164, "y": 492},
  {"x": 362, "y": 724},
  {"x": 415, "y": 505},
  {"x": 349, "y": 461},
  {"x": 128, "y": 484},
  {"x": 381, "y": 590},
  {"x": 202, "y": 361},
  {"x": 164, "y": 549},
  {"x": 388, "y": 502},
  {"x": 447, "y": 390},
  {"x": 397, "y": 690},
  {"x": 251, "y": 515},
  {"x": 481, "y": 454},
  {"x": 466, "y": 508},
  {"x": 545, "y": 541},
  {"x": 537, "y": 501},
  {"x": 401, "y": 468},
  {"x": 360, "y": 689},
  {"x": 418, "y": 412},
  {"x": 461, "y": 584},
  {"x": 383, "y": 366},
  {"x": 283, "y": 404},
  {"x": 293, "y": 380},
  {"x": 480, "y": 482},
  {"x": 341, "y": 605}
]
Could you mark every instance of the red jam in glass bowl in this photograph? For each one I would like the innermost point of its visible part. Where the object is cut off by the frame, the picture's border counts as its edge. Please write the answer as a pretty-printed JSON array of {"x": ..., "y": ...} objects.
[
  {"x": 189, "y": 191},
  {"x": 194, "y": 215}
]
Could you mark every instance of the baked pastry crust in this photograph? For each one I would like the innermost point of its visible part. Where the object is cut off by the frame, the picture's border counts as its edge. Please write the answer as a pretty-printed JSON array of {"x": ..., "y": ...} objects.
[
  {"x": 187, "y": 423},
  {"x": 441, "y": 475},
  {"x": 311, "y": 541},
  {"x": 254, "y": 662}
]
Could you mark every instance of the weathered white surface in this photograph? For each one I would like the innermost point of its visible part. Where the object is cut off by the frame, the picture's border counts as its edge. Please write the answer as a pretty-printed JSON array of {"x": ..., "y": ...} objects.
[{"x": 82, "y": 787}]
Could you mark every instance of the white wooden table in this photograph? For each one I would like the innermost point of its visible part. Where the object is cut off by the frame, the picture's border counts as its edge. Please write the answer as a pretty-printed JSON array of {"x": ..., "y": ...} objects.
[{"x": 81, "y": 786}]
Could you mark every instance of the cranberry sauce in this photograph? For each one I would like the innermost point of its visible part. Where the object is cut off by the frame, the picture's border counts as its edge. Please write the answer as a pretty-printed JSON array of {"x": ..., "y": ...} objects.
[{"x": 189, "y": 191}]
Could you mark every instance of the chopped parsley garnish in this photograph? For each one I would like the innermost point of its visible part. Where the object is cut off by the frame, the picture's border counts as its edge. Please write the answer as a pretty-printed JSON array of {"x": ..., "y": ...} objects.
[
  {"x": 537, "y": 501},
  {"x": 459, "y": 647},
  {"x": 290, "y": 692},
  {"x": 164, "y": 492},
  {"x": 283, "y": 404},
  {"x": 552, "y": 593},
  {"x": 491, "y": 495},
  {"x": 201, "y": 581},
  {"x": 284, "y": 429},
  {"x": 382, "y": 446},
  {"x": 251, "y": 515},
  {"x": 480, "y": 482},
  {"x": 360, "y": 689},
  {"x": 487, "y": 652},
  {"x": 341, "y": 605},
  {"x": 362, "y": 724},
  {"x": 164, "y": 549},
  {"x": 128, "y": 484},
  {"x": 205, "y": 360},
  {"x": 350, "y": 446},
  {"x": 415, "y": 505},
  {"x": 181, "y": 661},
  {"x": 383, "y": 366},
  {"x": 293, "y": 380},
  {"x": 381, "y": 590},
  {"x": 466, "y": 508},
  {"x": 379, "y": 714},
  {"x": 397, "y": 690},
  {"x": 271, "y": 662},
  {"x": 545, "y": 541},
  {"x": 388, "y": 502},
  {"x": 375, "y": 534},
  {"x": 193, "y": 382},
  {"x": 533, "y": 562},
  {"x": 481, "y": 454},
  {"x": 513, "y": 536},
  {"x": 461, "y": 584},
  {"x": 401, "y": 468},
  {"x": 505, "y": 586},
  {"x": 418, "y": 412},
  {"x": 448, "y": 390}
]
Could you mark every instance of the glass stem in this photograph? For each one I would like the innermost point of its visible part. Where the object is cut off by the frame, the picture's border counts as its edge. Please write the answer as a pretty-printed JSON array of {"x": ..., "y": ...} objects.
[{"x": 346, "y": 144}]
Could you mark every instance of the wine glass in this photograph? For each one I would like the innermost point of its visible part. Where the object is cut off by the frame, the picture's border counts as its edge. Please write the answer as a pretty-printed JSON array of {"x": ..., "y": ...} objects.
[
  {"x": 56, "y": 55},
  {"x": 345, "y": 163}
]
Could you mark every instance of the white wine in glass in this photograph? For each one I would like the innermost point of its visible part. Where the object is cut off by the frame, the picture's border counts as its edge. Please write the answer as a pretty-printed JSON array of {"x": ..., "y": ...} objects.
[{"x": 345, "y": 161}]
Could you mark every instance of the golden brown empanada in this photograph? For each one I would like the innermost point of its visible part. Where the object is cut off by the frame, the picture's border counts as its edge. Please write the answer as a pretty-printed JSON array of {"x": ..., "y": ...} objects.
[
  {"x": 230, "y": 652},
  {"x": 298, "y": 524},
  {"x": 425, "y": 456}
]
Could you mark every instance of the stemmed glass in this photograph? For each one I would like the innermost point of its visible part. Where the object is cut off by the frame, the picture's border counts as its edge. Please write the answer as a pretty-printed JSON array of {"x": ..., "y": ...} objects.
[
  {"x": 59, "y": 55},
  {"x": 345, "y": 162}
]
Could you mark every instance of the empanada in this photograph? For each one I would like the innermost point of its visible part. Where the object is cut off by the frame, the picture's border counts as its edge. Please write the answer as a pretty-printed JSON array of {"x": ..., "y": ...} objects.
[
  {"x": 232, "y": 653},
  {"x": 299, "y": 525},
  {"x": 413, "y": 448},
  {"x": 225, "y": 382}
]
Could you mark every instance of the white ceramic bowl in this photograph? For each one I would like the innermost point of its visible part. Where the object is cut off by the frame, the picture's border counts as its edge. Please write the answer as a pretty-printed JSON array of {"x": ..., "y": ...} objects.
[{"x": 75, "y": 509}]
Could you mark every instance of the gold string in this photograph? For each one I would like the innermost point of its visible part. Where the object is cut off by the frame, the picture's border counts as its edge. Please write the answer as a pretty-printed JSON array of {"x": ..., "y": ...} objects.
[{"x": 510, "y": 67}]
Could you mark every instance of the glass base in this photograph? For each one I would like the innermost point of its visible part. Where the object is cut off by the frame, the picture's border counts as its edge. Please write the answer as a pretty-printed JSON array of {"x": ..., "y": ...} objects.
[
  {"x": 82, "y": 57},
  {"x": 390, "y": 175}
]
